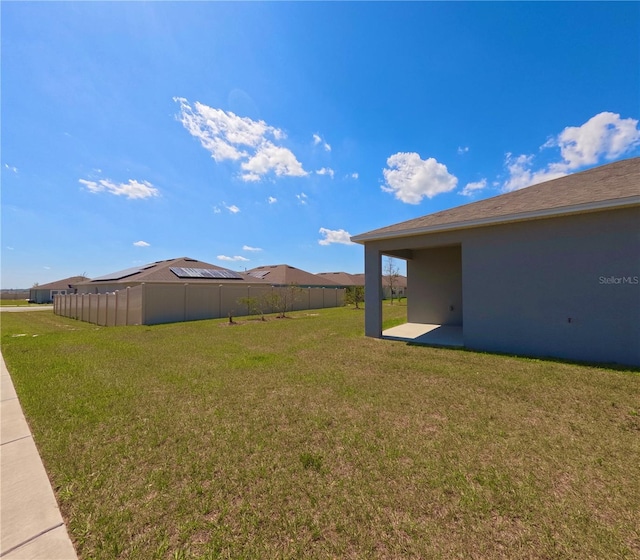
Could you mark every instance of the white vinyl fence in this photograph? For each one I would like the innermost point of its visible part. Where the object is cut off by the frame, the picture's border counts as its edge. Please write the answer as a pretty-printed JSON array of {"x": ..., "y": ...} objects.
[{"x": 151, "y": 304}]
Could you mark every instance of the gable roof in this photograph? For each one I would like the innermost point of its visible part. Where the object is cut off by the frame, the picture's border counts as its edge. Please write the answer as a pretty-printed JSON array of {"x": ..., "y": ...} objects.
[
  {"x": 614, "y": 185},
  {"x": 343, "y": 278},
  {"x": 399, "y": 281},
  {"x": 63, "y": 284},
  {"x": 161, "y": 272},
  {"x": 285, "y": 275}
]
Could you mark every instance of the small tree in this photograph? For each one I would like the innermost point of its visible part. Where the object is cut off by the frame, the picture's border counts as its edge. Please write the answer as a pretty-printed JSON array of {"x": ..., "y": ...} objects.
[
  {"x": 255, "y": 305},
  {"x": 392, "y": 274},
  {"x": 354, "y": 295},
  {"x": 283, "y": 298}
]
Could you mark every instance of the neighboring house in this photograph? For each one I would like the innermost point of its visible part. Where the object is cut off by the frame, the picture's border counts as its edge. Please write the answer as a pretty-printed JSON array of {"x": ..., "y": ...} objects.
[
  {"x": 172, "y": 271},
  {"x": 186, "y": 289},
  {"x": 285, "y": 275},
  {"x": 399, "y": 287},
  {"x": 46, "y": 292},
  {"x": 343, "y": 278},
  {"x": 552, "y": 270}
]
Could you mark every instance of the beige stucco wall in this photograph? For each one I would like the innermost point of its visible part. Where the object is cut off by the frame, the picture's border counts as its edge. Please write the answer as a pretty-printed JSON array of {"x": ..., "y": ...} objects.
[
  {"x": 119, "y": 308},
  {"x": 151, "y": 304}
]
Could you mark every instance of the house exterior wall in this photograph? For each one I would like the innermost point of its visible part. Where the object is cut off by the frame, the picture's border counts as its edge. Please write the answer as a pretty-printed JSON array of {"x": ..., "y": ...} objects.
[
  {"x": 565, "y": 287},
  {"x": 434, "y": 277},
  {"x": 44, "y": 295}
]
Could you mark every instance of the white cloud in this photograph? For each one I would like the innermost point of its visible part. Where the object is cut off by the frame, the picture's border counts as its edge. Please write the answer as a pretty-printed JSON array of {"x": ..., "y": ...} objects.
[
  {"x": 335, "y": 236},
  {"x": 355, "y": 175},
  {"x": 272, "y": 200},
  {"x": 473, "y": 188},
  {"x": 463, "y": 149},
  {"x": 605, "y": 136},
  {"x": 270, "y": 157},
  {"x": 226, "y": 136},
  {"x": 317, "y": 139},
  {"x": 132, "y": 189},
  {"x": 142, "y": 244},
  {"x": 232, "y": 259},
  {"x": 302, "y": 198},
  {"x": 216, "y": 210},
  {"x": 11, "y": 168},
  {"x": 248, "y": 248},
  {"x": 326, "y": 171},
  {"x": 232, "y": 208},
  {"x": 411, "y": 178},
  {"x": 250, "y": 177},
  {"x": 521, "y": 175}
]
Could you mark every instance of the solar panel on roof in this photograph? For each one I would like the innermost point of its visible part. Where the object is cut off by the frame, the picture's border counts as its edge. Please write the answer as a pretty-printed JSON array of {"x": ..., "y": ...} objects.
[
  {"x": 259, "y": 273},
  {"x": 219, "y": 273}
]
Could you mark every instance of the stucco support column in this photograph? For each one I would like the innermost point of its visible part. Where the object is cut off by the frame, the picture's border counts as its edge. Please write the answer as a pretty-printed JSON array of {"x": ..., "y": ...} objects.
[{"x": 372, "y": 292}]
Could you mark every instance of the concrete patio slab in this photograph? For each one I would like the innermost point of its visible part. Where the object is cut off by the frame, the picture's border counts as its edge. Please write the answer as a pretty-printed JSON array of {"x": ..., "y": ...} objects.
[
  {"x": 31, "y": 526},
  {"x": 428, "y": 334}
]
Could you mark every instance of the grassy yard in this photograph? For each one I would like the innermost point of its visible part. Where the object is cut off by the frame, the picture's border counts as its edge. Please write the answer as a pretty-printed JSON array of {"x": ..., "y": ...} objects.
[
  {"x": 301, "y": 438},
  {"x": 16, "y": 302}
]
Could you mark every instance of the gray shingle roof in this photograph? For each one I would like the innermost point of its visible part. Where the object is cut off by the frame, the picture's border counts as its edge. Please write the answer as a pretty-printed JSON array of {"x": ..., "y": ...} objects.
[
  {"x": 612, "y": 185},
  {"x": 341, "y": 278},
  {"x": 161, "y": 272},
  {"x": 284, "y": 274},
  {"x": 61, "y": 284}
]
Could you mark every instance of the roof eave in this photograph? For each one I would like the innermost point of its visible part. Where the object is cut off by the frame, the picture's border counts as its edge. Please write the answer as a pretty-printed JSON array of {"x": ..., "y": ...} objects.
[{"x": 509, "y": 218}]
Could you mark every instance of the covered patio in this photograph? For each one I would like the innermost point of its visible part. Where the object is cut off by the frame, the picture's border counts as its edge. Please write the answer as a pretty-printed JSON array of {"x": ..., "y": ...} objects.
[{"x": 449, "y": 336}]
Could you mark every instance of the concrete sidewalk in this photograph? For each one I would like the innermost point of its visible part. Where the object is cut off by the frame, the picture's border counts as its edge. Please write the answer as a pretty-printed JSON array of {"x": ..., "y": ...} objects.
[{"x": 31, "y": 527}]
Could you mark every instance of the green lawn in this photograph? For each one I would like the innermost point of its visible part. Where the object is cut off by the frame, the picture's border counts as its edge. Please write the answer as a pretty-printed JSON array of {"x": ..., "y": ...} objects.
[
  {"x": 15, "y": 302},
  {"x": 301, "y": 438}
]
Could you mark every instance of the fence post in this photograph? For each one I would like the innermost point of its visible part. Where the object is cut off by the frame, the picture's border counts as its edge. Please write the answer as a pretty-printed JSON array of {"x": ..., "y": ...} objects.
[
  {"x": 126, "y": 309},
  {"x": 143, "y": 307},
  {"x": 185, "y": 301}
]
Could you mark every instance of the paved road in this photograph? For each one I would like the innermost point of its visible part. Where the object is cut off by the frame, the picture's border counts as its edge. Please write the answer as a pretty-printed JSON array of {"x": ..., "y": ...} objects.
[{"x": 22, "y": 308}]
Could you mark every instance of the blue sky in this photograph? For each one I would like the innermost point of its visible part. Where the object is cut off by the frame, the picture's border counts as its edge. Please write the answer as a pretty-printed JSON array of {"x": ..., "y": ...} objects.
[{"x": 245, "y": 134}]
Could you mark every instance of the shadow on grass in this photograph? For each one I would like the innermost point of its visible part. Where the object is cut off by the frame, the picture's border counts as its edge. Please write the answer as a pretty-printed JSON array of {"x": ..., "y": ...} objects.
[{"x": 550, "y": 359}]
